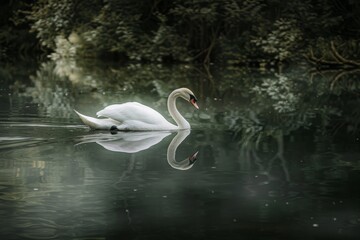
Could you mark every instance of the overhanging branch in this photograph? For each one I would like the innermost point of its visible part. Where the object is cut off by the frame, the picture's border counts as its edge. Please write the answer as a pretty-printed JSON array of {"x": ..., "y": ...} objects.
[{"x": 338, "y": 60}]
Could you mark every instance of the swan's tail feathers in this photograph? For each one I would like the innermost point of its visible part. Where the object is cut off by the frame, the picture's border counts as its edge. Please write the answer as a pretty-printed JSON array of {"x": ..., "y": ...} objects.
[
  {"x": 96, "y": 123},
  {"x": 89, "y": 121}
]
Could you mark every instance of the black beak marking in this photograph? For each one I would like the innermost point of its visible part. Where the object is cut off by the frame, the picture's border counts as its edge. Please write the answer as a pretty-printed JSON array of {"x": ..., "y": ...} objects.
[{"x": 192, "y": 97}]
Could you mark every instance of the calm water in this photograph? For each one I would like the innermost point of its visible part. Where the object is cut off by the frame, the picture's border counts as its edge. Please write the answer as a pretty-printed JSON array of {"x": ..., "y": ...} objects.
[{"x": 278, "y": 155}]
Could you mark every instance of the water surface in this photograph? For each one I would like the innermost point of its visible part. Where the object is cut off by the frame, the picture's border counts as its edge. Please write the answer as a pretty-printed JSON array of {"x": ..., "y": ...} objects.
[{"x": 278, "y": 155}]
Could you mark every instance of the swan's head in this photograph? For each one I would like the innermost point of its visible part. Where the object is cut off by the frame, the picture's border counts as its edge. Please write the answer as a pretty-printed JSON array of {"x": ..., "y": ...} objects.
[{"x": 189, "y": 96}]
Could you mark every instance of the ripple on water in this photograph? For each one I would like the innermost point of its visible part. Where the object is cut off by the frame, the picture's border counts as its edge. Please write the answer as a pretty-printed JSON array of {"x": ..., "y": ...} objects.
[
  {"x": 42, "y": 125},
  {"x": 17, "y": 142},
  {"x": 20, "y": 134}
]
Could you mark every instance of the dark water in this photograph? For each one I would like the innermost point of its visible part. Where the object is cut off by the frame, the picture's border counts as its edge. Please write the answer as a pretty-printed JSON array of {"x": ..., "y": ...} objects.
[{"x": 278, "y": 155}]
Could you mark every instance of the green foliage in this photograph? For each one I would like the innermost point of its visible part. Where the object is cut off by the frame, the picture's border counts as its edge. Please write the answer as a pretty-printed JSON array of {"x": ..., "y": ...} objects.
[
  {"x": 234, "y": 31},
  {"x": 15, "y": 39},
  {"x": 166, "y": 42},
  {"x": 52, "y": 18},
  {"x": 282, "y": 42},
  {"x": 114, "y": 29},
  {"x": 64, "y": 48},
  {"x": 279, "y": 90}
]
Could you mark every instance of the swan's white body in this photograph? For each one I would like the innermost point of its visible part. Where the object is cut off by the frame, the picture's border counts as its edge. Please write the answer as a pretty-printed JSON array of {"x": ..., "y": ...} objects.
[{"x": 133, "y": 116}]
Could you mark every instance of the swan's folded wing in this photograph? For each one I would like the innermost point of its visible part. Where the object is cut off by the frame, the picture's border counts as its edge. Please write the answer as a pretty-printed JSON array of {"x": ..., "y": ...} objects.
[{"x": 132, "y": 111}]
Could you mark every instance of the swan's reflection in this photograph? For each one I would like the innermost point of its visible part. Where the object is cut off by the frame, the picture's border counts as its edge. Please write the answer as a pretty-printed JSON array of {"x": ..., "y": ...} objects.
[
  {"x": 127, "y": 142},
  {"x": 132, "y": 142},
  {"x": 188, "y": 162}
]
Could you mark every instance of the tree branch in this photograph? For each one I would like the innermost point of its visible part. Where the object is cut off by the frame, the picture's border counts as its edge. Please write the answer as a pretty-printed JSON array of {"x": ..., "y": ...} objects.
[
  {"x": 341, "y": 58},
  {"x": 338, "y": 60},
  {"x": 320, "y": 61}
]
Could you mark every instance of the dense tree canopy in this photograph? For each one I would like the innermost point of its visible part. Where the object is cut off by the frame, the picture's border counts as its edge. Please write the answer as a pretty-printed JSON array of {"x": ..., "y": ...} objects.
[{"x": 228, "y": 31}]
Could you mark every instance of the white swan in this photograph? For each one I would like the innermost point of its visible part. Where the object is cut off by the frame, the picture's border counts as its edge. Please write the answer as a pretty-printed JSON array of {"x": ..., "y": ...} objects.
[{"x": 133, "y": 116}]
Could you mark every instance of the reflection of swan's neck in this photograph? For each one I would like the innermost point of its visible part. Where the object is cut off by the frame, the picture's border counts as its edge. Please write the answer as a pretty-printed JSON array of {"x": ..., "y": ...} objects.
[
  {"x": 185, "y": 164},
  {"x": 179, "y": 119}
]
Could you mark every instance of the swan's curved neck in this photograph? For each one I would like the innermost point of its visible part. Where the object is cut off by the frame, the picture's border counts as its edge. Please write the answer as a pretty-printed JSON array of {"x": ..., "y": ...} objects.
[{"x": 179, "y": 119}]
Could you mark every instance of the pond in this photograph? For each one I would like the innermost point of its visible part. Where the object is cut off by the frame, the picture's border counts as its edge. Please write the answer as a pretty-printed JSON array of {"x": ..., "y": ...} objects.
[{"x": 270, "y": 155}]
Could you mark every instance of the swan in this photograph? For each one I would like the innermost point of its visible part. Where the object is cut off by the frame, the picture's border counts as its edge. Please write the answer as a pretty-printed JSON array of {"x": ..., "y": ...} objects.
[{"x": 134, "y": 116}]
